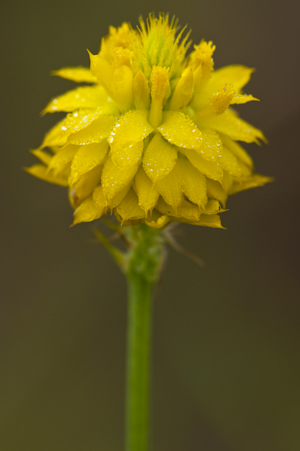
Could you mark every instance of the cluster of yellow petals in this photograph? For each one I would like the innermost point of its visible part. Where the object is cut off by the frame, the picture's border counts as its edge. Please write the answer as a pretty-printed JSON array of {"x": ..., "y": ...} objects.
[{"x": 153, "y": 138}]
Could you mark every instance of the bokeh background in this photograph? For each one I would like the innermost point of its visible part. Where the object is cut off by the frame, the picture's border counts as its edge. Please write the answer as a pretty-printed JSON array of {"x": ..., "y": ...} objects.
[{"x": 226, "y": 371}]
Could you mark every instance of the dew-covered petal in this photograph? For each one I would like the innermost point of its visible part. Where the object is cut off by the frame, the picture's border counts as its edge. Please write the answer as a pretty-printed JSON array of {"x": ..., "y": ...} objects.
[
  {"x": 238, "y": 151},
  {"x": 230, "y": 163},
  {"x": 249, "y": 182},
  {"x": 179, "y": 129},
  {"x": 94, "y": 133},
  {"x": 170, "y": 187},
  {"x": 216, "y": 191},
  {"x": 117, "y": 199},
  {"x": 77, "y": 74},
  {"x": 193, "y": 183},
  {"x": 147, "y": 193},
  {"x": 211, "y": 146},
  {"x": 159, "y": 158},
  {"x": 63, "y": 157},
  {"x": 128, "y": 209},
  {"x": 239, "y": 99},
  {"x": 83, "y": 97},
  {"x": 124, "y": 157},
  {"x": 74, "y": 122},
  {"x": 87, "y": 211},
  {"x": 231, "y": 125},
  {"x": 88, "y": 182},
  {"x": 131, "y": 128},
  {"x": 115, "y": 179},
  {"x": 55, "y": 136},
  {"x": 41, "y": 172},
  {"x": 208, "y": 168},
  {"x": 235, "y": 75},
  {"x": 86, "y": 158}
]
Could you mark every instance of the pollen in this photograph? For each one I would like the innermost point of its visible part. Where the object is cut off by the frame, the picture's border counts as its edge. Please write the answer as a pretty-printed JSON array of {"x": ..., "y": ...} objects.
[{"x": 152, "y": 136}]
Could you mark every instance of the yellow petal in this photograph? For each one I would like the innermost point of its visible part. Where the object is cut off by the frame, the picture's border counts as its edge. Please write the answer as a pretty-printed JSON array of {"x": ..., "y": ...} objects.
[
  {"x": 99, "y": 199},
  {"x": 77, "y": 74},
  {"x": 115, "y": 179},
  {"x": 208, "y": 168},
  {"x": 146, "y": 192},
  {"x": 131, "y": 128},
  {"x": 170, "y": 187},
  {"x": 86, "y": 158},
  {"x": 216, "y": 191},
  {"x": 121, "y": 87},
  {"x": 178, "y": 129},
  {"x": 124, "y": 157},
  {"x": 183, "y": 91},
  {"x": 230, "y": 163},
  {"x": 87, "y": 211},
  {"x": 250, "y": 182},
  {"x": 160, "y": 91},
  {"x": 103, "y": 71},
  {"x": 41, "y": 172},
  {"x": 235, "y": 75},
  {"x": 213, "y": 221},
  {"x": 141, "y": 91},
  {"x": 74, "y": 122},
  {"x": 55, "y": 136},
  {"x": 186, "y": 210},
  {"x": 238, "y": 151},
  {"x": 211, "y": 145},
  {"x": 234, "y": 127},
  {"x": 212, "y": 207},
  {"x": 94, "y": 133},
  {"x": 226, "y": 181},
  {"x": 83, "y": 97},
  {"x": 219, "y": 103},
  {"x": 88, "y": 182},
  {"x": 44, "y": 157},
  {"x": 156, "y": 220},
  {"x": 159, "y": 158},
  {"x": 63, "y": 157},
  {"x": 193, "y": 183},
  {"x": 242, "y": 98},
  {"x": 128, "y": 209},
  {"x": 117, "y": 199}
]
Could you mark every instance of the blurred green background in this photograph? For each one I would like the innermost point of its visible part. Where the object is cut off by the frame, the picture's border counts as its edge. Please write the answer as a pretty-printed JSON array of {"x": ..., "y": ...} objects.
[{"x": 226, "y": 372}]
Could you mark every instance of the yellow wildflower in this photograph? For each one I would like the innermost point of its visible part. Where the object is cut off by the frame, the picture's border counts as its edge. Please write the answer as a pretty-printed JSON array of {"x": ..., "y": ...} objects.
[{"x": 153, "y": 139}]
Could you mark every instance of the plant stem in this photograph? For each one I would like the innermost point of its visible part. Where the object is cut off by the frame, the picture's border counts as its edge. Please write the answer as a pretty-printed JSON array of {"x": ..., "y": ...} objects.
[
  {"x": 138, "y": 358},
  {"x": 142, "y": 271}
]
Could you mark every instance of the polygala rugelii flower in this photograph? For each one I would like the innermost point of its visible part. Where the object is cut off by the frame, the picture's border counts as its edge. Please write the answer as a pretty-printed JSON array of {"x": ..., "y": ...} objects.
[{"x": 153, "y": 138}]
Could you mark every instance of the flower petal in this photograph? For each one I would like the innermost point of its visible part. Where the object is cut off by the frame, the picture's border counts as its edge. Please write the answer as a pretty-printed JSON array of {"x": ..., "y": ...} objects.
[
  {"x": 156, "y": 220},
  {"x": 54, "y": 137},
  {"x": 179, "y": 129},
  {"x": 124, "y": 157},
  {"x": 211, "y": 146},
  {"x": 250, "y": 182},
  {"x": 186, "y": 210},
  {"x": 63, "y": 157},
  {"x": 193, "y": 183},
  {"x": 44, "y": 157},
  {"x": 87, "y": 211},
  {"x": 238, "y": 151},
  {"x": 83, "y": 97},
  {"x": 99, "y": 199},
  {"x": 159, "y": 158},
  {"x": 86, "y": 158},
  {"x": 216, "y": 191},
  {"x": 87, "y": 183},
  {"x": 170, "y": 187},
  {"x": 41, "y": 172},
  {"x": 234, "y": 127},
  {"x": 213, "y": 221},
  {"x": 115, "y": 179},
  {"x": 77, "y": 74},
  {"x": 128, "y": 209},
  {"x": 131, "y": 128},
  {"x": 236, "y": 75},
  {"x": 146, "y": 192},
  {"x": 239, "y": 99},
  {"x": 230, "y": 163},
  {"x": 211, "y": 170},
  {"x": 94, "y": 133}
]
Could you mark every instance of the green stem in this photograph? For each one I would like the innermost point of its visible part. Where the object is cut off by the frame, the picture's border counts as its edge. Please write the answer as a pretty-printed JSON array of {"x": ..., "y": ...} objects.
[
  {"x": 142, "y": 271},
  {"x": 138, "y": 353}
]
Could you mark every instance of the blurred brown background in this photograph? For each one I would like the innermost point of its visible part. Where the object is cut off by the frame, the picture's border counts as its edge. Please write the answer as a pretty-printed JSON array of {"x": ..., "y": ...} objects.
[{"x": 226, "y": 338}]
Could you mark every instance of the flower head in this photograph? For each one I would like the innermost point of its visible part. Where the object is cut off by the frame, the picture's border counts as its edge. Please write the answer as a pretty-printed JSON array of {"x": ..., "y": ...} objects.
[{"x": 153, "y": 138}]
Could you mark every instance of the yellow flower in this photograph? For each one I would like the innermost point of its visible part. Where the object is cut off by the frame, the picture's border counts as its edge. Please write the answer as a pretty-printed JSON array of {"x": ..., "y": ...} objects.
[{"x": 153, "y": 139}]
